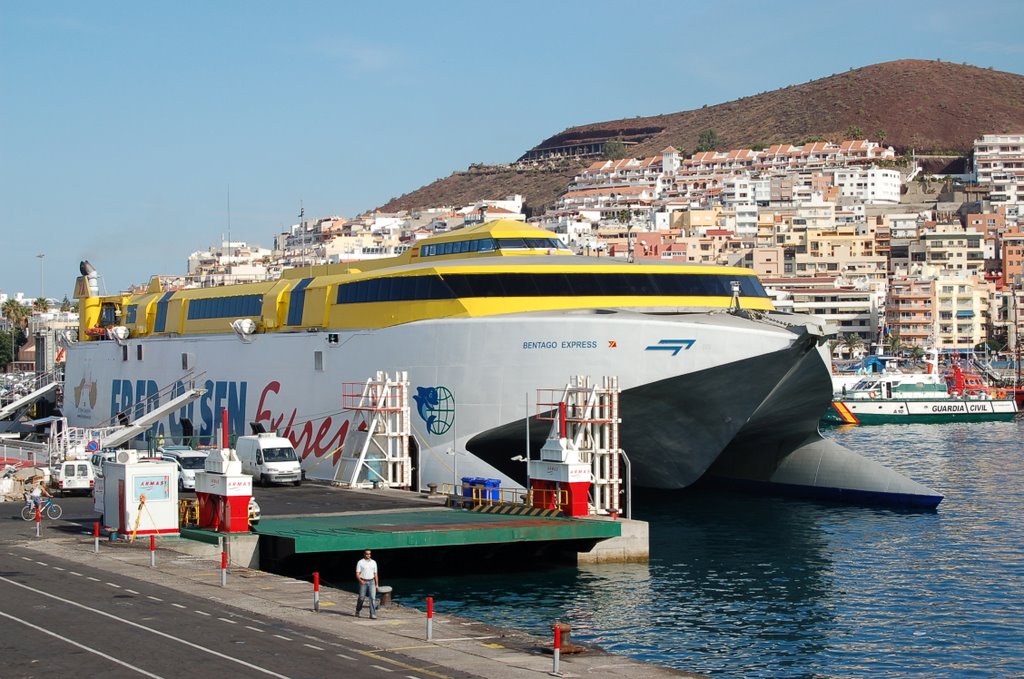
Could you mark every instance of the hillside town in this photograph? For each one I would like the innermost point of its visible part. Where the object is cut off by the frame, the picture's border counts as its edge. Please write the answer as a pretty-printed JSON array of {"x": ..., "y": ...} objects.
[{"x": 891, "y": 256}]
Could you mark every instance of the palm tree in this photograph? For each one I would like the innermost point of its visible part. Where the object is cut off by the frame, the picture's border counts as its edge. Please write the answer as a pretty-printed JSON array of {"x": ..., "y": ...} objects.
[
  {"x": 16, "y": 312},
  {"x": 40, "y": 305},
  {"x": 893, "y": 344},
  {"x": 916, "y": 353},
  {"x": 851, "y": 343}
]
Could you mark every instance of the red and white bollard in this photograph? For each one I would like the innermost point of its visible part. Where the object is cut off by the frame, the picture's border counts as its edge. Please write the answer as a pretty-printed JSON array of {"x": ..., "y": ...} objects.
[
  {"x": 224, "y": 569},
  {"x": 39, "y": 519},
  {"x": 430, "y": 618},
  {"x": 557, "y": 649},
  {"x": 152, "y": 551},
  {"x": 316, "y": 592},
  {"x": 96, "y": 537}
]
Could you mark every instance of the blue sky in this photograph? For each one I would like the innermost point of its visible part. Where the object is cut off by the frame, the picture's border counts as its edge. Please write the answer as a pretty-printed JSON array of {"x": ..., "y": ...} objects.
[{"x": 125, "y": 126}]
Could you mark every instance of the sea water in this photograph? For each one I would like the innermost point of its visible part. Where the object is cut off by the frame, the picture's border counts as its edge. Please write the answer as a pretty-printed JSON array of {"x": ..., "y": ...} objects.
[{"x": 745, "y": 586}]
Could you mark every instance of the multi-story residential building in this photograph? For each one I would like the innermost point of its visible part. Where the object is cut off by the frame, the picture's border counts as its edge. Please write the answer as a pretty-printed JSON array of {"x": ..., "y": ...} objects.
[
  {"x": 873, "y": 186},
  {"x": 949, "y": 248},
  {"x": 961, "y": 308},
  {"x": 999, "y": 164},
  {"x": 908, "y": 311},
  {"x": 850, "y": 309},
  {"x": 1013, "y": 259},
  {"x": 230, "y": 262}
]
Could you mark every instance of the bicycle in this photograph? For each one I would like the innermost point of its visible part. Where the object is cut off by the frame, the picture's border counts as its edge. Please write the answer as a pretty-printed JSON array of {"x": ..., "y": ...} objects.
[{"x": 49, "y": 507}]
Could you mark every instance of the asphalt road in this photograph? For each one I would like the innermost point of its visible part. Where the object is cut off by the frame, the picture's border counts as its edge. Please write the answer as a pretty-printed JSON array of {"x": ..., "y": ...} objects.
[{"x": 60, "y": 617}]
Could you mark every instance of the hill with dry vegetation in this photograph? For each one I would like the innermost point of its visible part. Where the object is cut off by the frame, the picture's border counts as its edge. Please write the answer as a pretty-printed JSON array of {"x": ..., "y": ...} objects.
[{"x": 928, "y": 107}]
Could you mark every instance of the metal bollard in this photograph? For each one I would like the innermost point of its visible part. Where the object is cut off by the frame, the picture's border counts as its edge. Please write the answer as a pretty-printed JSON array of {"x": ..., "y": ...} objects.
[
  {"x": 152, "y": 551},
  {"x": 316, "y": 592},
  {"x": 96, "y": 537},
  {"x": 430, "y": 618},
  {"x": 223, "y": 569},
  {"x": 557, "y": 649},
  {"x": 39, "y": 520}
]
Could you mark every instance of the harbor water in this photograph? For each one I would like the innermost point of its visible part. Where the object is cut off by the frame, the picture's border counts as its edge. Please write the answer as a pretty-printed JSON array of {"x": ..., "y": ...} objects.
[{"x": 744, "y": 586}]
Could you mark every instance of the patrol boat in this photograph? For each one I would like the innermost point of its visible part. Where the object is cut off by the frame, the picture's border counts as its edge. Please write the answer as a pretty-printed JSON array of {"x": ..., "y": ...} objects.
[{"x": 714, "y": 381}]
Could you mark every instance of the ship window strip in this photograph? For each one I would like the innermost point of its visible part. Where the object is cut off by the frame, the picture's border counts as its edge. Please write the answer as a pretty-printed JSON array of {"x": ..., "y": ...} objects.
[
  {"x": 131, "y": 311},
  {"x": 297, "y": 302},
  {"x": 161, "y": 312},
  {"x": 455, "y": 286},
  {"x": 237, "y": 306}
]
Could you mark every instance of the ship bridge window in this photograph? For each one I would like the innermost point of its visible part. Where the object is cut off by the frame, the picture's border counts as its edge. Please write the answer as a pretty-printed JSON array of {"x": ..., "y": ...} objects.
[
  {"x": 108, "y": 315},
  {"x": 225, "y": 307},
  {"x": 454, "y": 286},
  {"x": 131, "y": 312}
]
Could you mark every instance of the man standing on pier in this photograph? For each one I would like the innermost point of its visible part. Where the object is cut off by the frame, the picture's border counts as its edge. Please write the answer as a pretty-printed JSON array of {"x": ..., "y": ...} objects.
[{"x": 366, "y": 574}]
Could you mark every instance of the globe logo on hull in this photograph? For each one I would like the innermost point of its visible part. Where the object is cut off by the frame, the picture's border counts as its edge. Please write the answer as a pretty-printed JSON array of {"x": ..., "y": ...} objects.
[{"x": 436, "y": 407}]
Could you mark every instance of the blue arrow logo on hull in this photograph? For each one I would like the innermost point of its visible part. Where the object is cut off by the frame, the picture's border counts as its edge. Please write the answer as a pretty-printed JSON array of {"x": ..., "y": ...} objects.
[{"x": 673, "y": 345}]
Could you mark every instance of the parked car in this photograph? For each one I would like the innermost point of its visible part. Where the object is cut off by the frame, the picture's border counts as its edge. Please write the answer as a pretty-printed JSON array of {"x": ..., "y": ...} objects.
[{"x": 189, "y": 461}]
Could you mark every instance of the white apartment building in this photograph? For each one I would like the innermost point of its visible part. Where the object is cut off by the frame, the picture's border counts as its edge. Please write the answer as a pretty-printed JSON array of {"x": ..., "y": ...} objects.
[
  {"x": 961, "y": 310},
  {"x": 871, "y": 185},
  {"x": 999, "y": 163},
  {"x": 849, "y": 309},
  {"x": 230, "y": 262}
]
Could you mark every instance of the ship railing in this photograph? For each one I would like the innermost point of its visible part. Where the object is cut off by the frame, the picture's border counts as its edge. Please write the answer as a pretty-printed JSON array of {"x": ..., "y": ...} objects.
[{"x": 469, "y": 496}]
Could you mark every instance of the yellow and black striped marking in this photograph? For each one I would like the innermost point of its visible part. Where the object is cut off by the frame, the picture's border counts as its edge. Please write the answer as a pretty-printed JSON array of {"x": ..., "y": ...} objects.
[{"x": 515, "y": 510}]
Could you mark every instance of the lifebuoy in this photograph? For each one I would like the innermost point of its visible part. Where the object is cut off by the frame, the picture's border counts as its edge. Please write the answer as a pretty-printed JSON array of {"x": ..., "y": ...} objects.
[{"x": 873, "y": 394}]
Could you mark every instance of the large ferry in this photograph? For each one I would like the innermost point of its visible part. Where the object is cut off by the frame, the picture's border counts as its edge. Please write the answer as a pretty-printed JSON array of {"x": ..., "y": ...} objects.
[{"x": 714, "y": 382}]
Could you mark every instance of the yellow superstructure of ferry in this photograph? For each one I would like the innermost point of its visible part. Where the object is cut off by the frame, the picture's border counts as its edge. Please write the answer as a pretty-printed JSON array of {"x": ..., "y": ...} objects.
[{"x": 498, "y": 267}]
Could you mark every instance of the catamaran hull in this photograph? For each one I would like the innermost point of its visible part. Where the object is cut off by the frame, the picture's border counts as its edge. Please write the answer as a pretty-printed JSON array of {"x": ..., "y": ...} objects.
[{"x": 693, "y": 386}]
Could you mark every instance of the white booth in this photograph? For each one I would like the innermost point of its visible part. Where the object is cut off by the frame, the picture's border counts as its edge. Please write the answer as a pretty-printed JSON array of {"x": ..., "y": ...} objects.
[{"x": 138, "y": 497}]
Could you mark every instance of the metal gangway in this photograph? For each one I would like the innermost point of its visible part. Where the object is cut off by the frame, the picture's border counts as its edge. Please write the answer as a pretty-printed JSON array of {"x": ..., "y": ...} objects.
[
  {"x": 376, "y": 450},
  {"x": 65, "y": 440},
  {"x": 592, "y": 420},
  {"x": 35, "y": 388}
]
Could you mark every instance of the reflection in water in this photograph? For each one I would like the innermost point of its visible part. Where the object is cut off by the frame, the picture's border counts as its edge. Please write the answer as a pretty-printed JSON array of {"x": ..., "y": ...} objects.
[{"x": 752, "y": 586}]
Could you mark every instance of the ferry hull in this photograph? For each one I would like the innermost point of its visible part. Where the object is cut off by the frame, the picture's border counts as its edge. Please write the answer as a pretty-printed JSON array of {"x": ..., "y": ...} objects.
[{"x": 694, "y": 386}]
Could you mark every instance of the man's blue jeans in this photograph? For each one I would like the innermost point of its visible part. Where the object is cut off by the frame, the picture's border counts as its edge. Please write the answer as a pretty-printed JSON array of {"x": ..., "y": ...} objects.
[{"x": 367, "y": 589}]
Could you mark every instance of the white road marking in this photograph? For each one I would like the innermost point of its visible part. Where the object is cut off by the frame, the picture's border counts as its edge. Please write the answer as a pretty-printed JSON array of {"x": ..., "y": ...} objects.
[
  {"x": 132, "y": 591},
  {"x": 114, "y": 586},
  {"x": 144, "y": 628},
  {"x": 41, "y": 563},
  {"x": 282, "y": 637},
  {"x": 154, "y": 598},
  {"x": 228, "y": 620},
  {"x": 346, "y": 657},
  {"x": 75, "y": 574},
  {"x": 81, "y": 646},
  {"x": 57, "y": 568},
  {"x": 179, "y": 606},
  {"x": 312, "y": 646},
  {"x": 382, "y": 669},
  {"x": 254, "y": 629},
  {"x": 202, "y": 612},
  {"x": 89, "y": 577}
]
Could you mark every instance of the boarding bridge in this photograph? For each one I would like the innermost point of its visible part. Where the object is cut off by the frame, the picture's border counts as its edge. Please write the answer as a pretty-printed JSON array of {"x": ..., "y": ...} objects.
[
  {"x": 28, "y": 399},
  {"x": 66, "y": 440},
  {"x": 376, "y": 450}
]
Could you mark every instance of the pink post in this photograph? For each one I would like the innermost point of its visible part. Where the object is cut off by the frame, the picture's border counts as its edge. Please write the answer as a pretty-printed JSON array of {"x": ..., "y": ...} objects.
[
  {"x": 224, "y": 569},
  {"x": 39, "y": 518},
  {"x": 562, "y": 426},
  {"x": 96, "y": 537},
  {"x": 152, "y": 551}
]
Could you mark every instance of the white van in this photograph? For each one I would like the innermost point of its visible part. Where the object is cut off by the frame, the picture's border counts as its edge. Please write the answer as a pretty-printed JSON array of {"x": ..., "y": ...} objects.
[
  {"x": 269, "y": 458},
  {"x": 189, "y": 462},
  {"x": 73, "y": 476}
]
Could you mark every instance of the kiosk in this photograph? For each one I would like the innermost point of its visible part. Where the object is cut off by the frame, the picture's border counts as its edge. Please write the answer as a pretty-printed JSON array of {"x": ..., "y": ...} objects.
[{"x": 140, "y": 497}]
